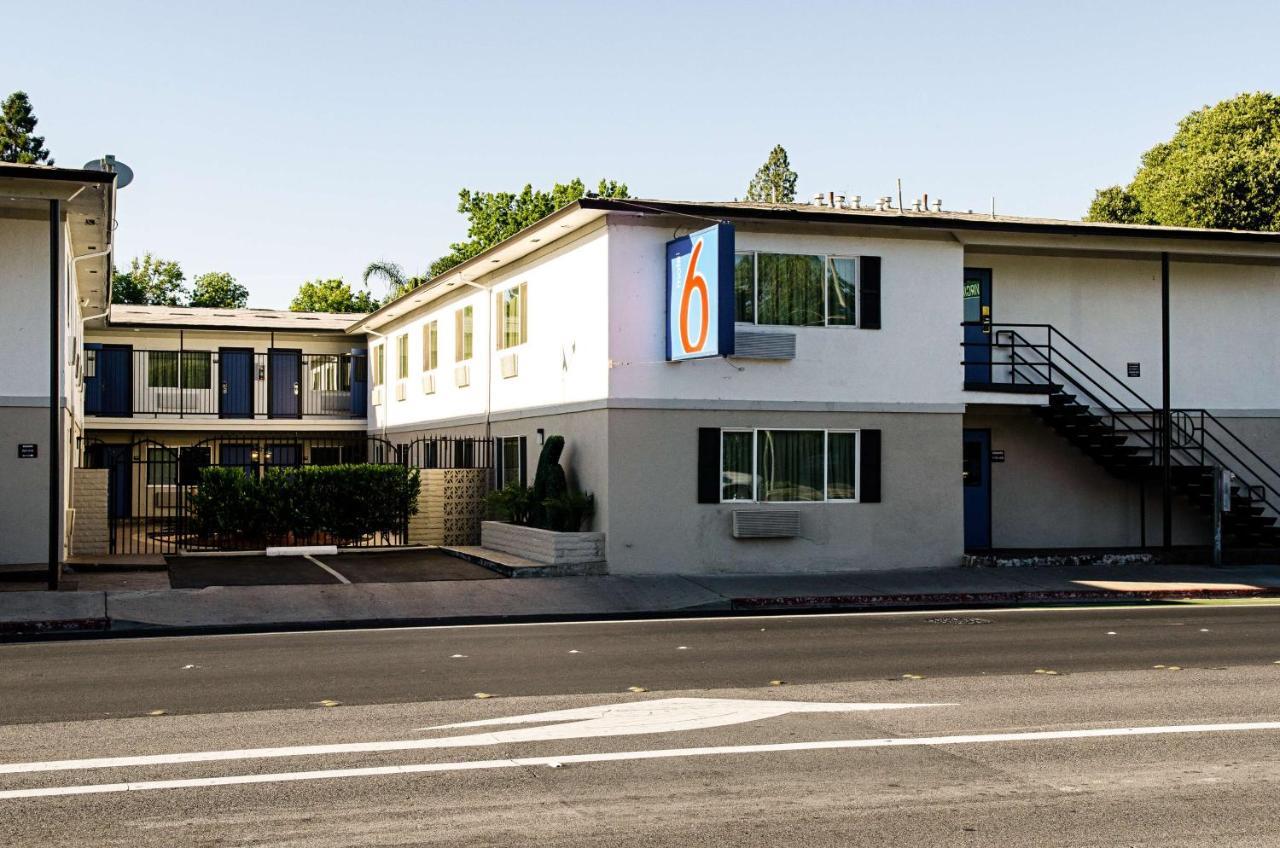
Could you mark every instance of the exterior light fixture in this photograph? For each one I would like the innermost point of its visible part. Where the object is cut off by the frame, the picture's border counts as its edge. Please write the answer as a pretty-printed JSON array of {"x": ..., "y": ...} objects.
[{"x": 542, "y": 435}]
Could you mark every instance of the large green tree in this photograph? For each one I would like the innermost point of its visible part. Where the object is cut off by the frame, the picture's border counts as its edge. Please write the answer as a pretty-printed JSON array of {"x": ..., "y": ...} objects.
[
  {"x": 1221, "y": 169},
  {"x": 218, "y": 289},
  {"x": 774, "y": 182},
  {"x": 150, "y": 281},
  {"x": 18, "y": 143},
  {"x": 331, "y": 295},
  {"x": 494, "y": 216}
]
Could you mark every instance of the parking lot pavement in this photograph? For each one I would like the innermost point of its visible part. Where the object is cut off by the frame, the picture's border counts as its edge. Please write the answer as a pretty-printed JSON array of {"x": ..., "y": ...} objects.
[{"x": 198, "y": 572}]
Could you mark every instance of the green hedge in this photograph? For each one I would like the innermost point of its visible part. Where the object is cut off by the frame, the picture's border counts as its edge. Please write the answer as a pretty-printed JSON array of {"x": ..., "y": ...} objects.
[{"x": 333, "y": 503}]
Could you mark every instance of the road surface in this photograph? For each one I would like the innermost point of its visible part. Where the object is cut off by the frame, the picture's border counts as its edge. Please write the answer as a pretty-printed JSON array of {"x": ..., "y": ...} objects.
[{"x": 1044, "y": 727}]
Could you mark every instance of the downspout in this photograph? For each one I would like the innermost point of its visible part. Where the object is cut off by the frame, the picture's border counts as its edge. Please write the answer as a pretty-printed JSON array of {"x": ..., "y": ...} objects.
[{"x": 55, "y": 390}]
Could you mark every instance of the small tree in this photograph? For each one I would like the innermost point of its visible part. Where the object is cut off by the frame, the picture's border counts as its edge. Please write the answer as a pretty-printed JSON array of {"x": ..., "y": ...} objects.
[
  {"x": 218, "y": 289},
  {"x": 331, "y": 295},
  {"x": 774, "y": 182},
  {"x": 18, "y": 143},
  {"x": 150, "y": 281}
]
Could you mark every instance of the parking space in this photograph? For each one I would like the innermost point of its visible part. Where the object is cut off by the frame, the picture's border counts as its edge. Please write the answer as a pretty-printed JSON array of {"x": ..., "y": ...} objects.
[{"x": 198, "y": 572}]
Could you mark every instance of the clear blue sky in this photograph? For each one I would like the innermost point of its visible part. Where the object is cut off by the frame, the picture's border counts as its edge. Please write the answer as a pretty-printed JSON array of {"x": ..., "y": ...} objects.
[{"x": 299, "y": 140}]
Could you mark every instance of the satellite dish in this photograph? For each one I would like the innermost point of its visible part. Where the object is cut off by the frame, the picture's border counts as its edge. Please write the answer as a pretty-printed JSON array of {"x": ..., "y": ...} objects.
[{"x": 108, "y": 163}]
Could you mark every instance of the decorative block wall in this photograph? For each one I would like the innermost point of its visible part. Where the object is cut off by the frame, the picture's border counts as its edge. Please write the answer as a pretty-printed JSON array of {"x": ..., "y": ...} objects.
[
  {"x": 90, "y": 533},
  {"x": 450, "y": 506}
]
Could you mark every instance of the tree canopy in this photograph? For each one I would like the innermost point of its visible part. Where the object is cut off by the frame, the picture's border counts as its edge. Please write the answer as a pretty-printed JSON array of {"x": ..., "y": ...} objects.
[
  {"x": 774, "y": 182},
  {"x": 1221, "y": 169},
  {"x": 18, "y": 143},
  {"x": 331, "y": 295},
  {"x": 150, "y": 281},
  {"x": 397, "y": 282},
  {"x": 494, "y": 216},
  {"x": 218, "y": 289}
]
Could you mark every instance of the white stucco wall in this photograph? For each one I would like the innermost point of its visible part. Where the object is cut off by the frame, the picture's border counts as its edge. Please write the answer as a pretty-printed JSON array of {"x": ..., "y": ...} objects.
[
  {"x": 563, "y": 361},
  {"x": 913, "y": 359},
  {"x": 24, "y": 319}
]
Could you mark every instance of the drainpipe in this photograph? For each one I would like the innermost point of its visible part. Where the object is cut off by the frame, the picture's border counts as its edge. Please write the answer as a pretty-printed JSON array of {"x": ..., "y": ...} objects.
[
  {"x": 55, "y": 390},
  {"x": 1166, "y": 415}
]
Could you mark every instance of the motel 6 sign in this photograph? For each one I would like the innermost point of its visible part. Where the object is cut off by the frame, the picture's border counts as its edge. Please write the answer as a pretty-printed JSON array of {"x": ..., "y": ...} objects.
[{"x": 700, "y": 294}]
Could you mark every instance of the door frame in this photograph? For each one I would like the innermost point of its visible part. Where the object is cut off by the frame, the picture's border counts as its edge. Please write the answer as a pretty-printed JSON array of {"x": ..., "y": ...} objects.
[
  {"x": 985, "y": 432},
  {"x": 222, "y": 413},
  {"x": 271, "y": 381}
]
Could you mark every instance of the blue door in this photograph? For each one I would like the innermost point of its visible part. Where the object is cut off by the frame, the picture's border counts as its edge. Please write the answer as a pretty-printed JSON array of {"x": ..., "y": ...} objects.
[
  {"x": 284, "y": 455},
  {"x": 977, "y": 325},
  {"x": 359, "y": 382},
  {"x": 109, "y": 391},
  {"x": 284, "y": 373},
  {"x": 235, "y": 382},
  {"x": 237, "y": 455},
  {"x": 977, "y": 489}
]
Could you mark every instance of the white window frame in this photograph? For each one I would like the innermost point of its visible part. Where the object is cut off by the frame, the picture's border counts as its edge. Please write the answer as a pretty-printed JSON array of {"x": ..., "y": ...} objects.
[
  {"x": 431, "y": 345},
  {"x": 402, "y": 357},
  {"x": 826, "y": 290},
  {"x": 506, "y": 471},
  {"x": 521, "y": 292},
  {"x": 378, "y": 354},
  {"x": 826, "y": 463}
]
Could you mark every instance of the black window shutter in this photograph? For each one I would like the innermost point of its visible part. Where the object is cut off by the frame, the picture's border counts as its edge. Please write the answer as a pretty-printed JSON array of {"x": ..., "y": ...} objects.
[
  {"x": 869, "y": 293},
  {"x": 524, "y": 460},
  {"x": 497, "y": 463},
  {"x": 869, "y": 465},
  {"x": 708, "y": 465}
]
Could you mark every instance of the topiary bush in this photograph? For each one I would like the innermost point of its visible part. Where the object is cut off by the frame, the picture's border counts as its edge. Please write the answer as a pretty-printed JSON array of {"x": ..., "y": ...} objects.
[
  {"x": 549, "y": 504},
  {"x": 339, "y": 504}
]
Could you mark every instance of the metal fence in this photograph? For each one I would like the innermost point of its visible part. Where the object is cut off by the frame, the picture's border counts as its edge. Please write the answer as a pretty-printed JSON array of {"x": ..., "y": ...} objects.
[{"x": 150, "y": 484}]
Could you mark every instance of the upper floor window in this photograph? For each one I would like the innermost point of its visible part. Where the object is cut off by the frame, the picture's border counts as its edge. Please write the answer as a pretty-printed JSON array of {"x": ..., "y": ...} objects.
[
  {"x": 512, "y": 306},
  {"x": 163, "y": 371},
  {"x": 795, "y": 289},
  {"x": 462, "y": 334},
  {"x": 379, "y": 364},
  {"x": 431, "y": 346},
  {"x": 402, "y": 356}
]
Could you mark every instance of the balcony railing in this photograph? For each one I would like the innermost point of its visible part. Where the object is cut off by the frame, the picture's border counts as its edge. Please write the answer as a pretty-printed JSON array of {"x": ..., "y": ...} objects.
[{"x": 226, "y": 383}]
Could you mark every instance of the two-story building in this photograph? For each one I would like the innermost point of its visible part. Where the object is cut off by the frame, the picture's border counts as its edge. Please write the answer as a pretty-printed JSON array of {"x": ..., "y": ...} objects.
[{"x": 902, "y": 386}]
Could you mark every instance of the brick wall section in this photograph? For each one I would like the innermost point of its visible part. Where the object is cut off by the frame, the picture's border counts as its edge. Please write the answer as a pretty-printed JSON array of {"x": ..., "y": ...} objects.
[
  {"x": 90, "y": 535},
  {"x": 545, "y": 546},
  {"x": 450, "y": 506}
]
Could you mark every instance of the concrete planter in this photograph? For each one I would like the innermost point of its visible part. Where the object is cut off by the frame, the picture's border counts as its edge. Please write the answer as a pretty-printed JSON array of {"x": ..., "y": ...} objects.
[{"x": 545, "y": 546}]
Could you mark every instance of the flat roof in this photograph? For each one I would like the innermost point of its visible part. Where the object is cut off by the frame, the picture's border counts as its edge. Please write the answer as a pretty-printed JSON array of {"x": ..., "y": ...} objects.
[{"x": 198, "y": 317}]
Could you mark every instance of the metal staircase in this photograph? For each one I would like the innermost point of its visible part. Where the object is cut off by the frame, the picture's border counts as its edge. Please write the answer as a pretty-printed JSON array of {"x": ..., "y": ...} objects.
[{"x": 1117, "y": 428}]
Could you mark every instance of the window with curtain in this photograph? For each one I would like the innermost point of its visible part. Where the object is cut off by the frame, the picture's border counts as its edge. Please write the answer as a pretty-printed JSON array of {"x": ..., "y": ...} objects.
[
  {"x": 430, "y": 346},
  {"x": 402, "y": 356},
  {"x": 462, "y": 329},
  {"x": 737, "y": 477},
  {"x": 795, "y": 290},
  {"x": 788, "y": 466},
  {"x": 162, "y": 369},
  {"x": 511, "y": 307}
]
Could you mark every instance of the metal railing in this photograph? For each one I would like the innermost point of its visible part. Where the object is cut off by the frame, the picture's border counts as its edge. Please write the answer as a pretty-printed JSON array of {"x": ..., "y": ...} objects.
[{"x": 172, "y": 384}]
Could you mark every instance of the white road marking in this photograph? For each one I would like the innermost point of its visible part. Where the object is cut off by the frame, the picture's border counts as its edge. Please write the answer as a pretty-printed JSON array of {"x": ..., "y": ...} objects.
[
  {"x": 619, "y": 756},
  {"x": 341, "y": 579},
  {"x": 628, "y": 719}
]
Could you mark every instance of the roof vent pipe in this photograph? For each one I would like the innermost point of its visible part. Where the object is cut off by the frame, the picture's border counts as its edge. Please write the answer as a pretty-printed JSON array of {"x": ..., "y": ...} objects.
[
  {"x": 819, "y": 199},
  {"x": 856, "y": 202},
  {"x": 937, "y": 205}
]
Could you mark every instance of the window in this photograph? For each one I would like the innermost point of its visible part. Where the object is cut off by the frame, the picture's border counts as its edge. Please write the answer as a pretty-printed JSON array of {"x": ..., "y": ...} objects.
[
  {"x": 795, "y": 290},
  {"x": 379, "y": 364},
  {"x": 162, "y": 369},
  {"x": 462, "y": 334},
  {"x": 402, "y": 356},
  {"x": 430, "y": 346},
  {"x": 788, "y": 466},
  {"x": 162, "y": 466},
  {"x": 511, "y": 306},
  {"x": 90, "y": 363},
  {"x": 331, "y": 373},
  {"x": 512, "y": 459}
]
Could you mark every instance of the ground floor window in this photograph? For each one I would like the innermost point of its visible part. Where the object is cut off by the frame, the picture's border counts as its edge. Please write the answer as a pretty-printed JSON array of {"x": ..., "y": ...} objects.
[
  {"x": 510, "y": 460},
  {"x": 788, "y": 466}
]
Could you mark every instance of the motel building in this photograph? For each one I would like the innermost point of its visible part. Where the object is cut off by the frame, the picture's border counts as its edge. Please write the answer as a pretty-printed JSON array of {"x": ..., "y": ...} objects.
[
  {"x": 811, "y": 387},
  {"x": 742, "y": 387}
]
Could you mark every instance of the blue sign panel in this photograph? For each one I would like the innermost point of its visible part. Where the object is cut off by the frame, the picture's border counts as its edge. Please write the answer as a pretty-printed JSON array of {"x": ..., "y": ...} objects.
[{"x": 700, "y": 294}]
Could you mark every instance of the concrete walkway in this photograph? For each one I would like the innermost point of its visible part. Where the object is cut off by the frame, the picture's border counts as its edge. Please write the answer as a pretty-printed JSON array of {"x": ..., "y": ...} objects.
[{"x": 259, "y": 608}]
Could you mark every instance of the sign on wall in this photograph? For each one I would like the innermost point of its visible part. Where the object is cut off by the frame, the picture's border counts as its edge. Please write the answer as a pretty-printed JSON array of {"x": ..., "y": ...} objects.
[{"x": 700, "y": 294}]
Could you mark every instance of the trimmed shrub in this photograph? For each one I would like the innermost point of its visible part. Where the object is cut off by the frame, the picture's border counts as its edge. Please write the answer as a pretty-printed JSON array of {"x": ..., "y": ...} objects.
[
  {"x": 549, "y": 504},
  {"x": 337, "y": 503}
]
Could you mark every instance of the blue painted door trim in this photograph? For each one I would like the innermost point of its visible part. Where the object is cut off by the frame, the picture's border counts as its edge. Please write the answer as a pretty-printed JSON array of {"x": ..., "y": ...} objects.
[
  {"x": 235, "y": 382},
  {"x": 977, "y": 354},
  {"x": 977, "y": 489},
  {"x": 284, "y": 381}
]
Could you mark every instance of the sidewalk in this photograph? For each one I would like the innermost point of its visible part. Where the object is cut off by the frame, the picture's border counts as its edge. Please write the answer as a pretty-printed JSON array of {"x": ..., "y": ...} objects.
[{"x": 265, "y": 608}]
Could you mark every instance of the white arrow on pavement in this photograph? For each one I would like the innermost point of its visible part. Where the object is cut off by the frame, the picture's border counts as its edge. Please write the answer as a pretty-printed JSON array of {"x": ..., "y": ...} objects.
[{"x": 660, "y": 716}]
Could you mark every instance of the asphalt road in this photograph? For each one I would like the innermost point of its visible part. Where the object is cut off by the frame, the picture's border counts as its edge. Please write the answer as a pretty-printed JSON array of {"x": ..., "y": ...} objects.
[{"x": 1186, "y": 753}]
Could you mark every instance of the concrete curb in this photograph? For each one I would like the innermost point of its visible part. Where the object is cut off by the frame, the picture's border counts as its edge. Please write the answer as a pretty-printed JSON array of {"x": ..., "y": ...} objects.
[{"x": 980, "y": 599}]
